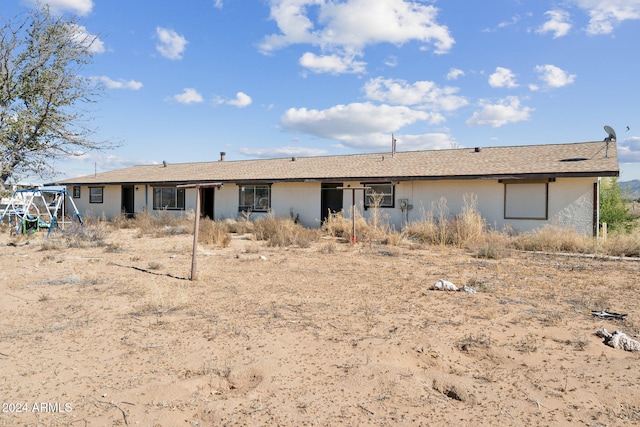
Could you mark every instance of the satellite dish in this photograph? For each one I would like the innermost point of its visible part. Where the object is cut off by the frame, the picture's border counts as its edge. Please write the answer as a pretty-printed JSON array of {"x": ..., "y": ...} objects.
[{"x": 612, "y": 133}]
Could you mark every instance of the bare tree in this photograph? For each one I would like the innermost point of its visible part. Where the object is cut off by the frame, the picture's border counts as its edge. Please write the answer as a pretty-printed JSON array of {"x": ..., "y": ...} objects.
[{"x": 43, "y": 96}]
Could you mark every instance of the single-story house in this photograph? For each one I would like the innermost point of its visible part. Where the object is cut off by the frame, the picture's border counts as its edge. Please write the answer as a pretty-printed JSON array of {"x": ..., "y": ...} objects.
[{"x": 523, "y": 187}]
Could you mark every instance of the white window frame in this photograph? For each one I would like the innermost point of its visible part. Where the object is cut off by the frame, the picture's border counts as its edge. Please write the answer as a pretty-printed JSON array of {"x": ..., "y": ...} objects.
[
  {"x": 96, "y": 194},
  {"x": 177, "y": 198},
  {"x": 384, "y": 189},
  {"x": 254, "y": 197}
]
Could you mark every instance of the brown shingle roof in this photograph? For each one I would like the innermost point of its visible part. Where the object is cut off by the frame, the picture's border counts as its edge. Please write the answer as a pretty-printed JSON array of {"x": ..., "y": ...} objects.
[{"x": 528, "y": 161}]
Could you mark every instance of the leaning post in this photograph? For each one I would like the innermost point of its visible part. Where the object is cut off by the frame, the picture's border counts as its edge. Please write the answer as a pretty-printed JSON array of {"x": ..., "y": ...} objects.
[{"x": 196, "y": 225}]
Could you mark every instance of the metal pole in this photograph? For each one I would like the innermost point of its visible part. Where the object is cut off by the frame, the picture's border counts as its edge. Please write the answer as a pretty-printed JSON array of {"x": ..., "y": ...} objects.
[
  {"x": 353, "y": 208},
  {"x": 353, "y": 215}
]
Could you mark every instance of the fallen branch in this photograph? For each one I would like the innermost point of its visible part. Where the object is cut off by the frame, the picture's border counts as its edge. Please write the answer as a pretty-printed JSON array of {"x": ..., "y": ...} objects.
[
  {"x": 150, "y": 272},
  {"x": 124, "y": 414}
]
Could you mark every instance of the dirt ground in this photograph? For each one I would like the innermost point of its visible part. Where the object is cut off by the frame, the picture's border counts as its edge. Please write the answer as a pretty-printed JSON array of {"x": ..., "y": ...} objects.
[{"x": 334, "y": 334}]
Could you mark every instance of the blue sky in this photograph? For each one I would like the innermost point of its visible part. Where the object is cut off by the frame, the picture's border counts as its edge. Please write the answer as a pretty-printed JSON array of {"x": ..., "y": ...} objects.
[{"x": 275, "y": 78}]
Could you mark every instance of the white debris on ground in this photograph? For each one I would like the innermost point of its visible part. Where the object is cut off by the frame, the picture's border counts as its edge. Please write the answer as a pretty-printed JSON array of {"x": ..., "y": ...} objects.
[
  {"x": 618, "y": 340},
  {"x": 444, "y": 285}
]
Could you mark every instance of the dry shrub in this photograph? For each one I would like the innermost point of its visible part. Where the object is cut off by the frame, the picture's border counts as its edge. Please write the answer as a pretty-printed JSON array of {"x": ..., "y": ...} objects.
[
  {"x": 242, "y": 225},
  {"x": 553, "y": 238},
  {"x": 214, "y": 232},
  {"x": 283, "y": 231},
  {"x": 77, "y": 236},
  {"x": 492, "y": 245},
  {"x": 423, "y": 230},
  {"x": 161, "y": 223},
  {"x": 337, "y": 225},
  {"x": 468, "y": 227},
  {"x": 623, "y": 244},
  {"x": 328, "y": 247},
  {"x": 433, "y": 226},
  {"x": 393, "y": 238}
]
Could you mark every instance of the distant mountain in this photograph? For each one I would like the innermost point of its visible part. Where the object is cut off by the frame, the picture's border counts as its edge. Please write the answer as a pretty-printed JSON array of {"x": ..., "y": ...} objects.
[{"x": 630, "y": 187}]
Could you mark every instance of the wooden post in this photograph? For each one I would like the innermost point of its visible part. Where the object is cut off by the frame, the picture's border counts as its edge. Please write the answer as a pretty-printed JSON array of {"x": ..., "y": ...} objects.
[{"x": 196, "y": 226}]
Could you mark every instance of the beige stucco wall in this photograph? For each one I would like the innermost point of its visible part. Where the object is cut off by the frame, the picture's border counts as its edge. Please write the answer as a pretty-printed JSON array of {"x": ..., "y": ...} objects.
[
  {"x": 570, "y": 202},
  {"x": 110, "y": 206}
]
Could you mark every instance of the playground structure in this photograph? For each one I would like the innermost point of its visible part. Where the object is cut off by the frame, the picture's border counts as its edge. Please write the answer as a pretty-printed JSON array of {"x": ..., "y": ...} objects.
[{"x": 30, "y": 210}]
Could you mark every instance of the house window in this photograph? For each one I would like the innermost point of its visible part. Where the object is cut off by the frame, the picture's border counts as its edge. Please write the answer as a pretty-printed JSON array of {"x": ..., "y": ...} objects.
[
  {"x": 170, "y": 198},
  {"x": 379, "y": 195},
  {"x": 76, "y": 191},
  {"x": 526, "y": 200},
  {"x": 255, "y": 198},
  {"x": 96, "y": 194}
]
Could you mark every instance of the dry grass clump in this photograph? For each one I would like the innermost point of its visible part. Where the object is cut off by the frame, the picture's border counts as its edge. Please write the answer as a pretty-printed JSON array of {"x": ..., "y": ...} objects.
[
  {"x": 553, "y": 238},
  {"x": 492, "y": 245},
  {"x": 375, "y": 228},
  {"x": 158, "y": 224},
  {"x": 337, "y": 225},
  {"x": 242, "y": 225},
  {"x": 77, "y": 236},
  {"x": 621, "y": 244},
  {"x": 437, "y": 227},
  {"x": 214, "y": 232},
  {"x": 283, "y": 231}
]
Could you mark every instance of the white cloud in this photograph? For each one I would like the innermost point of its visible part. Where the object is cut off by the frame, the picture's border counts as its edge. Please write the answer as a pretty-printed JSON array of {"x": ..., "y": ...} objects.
[
  {"x": 346, "y": 121},
  {"x": 391, "y": 61},
  {"x": 424, "y": 94},
  {"x": 629, "y": 150},
  {"x": 346, "y": 28},
  {"x": 269, "y": 153},
  {"x": 553, "y": 76},
  {"x": 507, "y": 110},
  {"x": 78, "y": 7},
  {"x": 118, "y": 84},
  {"x": 503, "y": 77},
  {"x": 188, "y": 96},
  {"x": 514, "y": 20},
  {"x": 334, "y": 64},
  {"x": 454, "y": 74},
  {"x": 605, "y": 15},
  {"x": 90, "y": 41},
  {"x": 242, "y": 100},
  {"x": 82, "y": 164},
  {"x": 172, "y": 45},
  {"x": 559, "y": 23},
  {"x": 217, "y": 4},
  {"x": 404, "y": 142}
]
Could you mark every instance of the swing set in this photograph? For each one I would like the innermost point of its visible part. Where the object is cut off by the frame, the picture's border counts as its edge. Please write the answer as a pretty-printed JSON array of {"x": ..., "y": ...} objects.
[{"x": 31, "y": 210}]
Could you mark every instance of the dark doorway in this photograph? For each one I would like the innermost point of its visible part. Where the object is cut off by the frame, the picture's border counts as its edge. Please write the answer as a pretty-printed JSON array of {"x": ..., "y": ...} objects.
[
  {"x": 128, "y": 209},
  {"x": 207, "y": 202},
  {"x": 331, "y": 199}
]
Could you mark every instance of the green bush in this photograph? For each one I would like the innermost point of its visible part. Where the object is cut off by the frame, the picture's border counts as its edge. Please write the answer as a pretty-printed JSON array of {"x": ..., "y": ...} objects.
[{"x": 613, "y": 208}]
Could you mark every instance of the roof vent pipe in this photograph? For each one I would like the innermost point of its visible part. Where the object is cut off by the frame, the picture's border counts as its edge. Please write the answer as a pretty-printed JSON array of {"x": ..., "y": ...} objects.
[{"x": 222, "y": 156}]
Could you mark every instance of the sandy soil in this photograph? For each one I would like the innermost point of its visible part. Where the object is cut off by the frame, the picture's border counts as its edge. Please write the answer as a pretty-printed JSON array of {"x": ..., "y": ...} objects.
[{"x": 333, "y": 334}]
